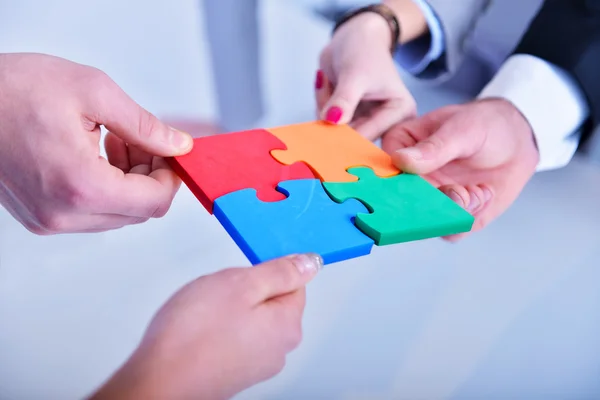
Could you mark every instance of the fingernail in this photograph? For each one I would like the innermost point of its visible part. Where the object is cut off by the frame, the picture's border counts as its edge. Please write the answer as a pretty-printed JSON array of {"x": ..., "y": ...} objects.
[
  {"x": 334, "y": 114},
  {"x": 456, "y": 198},
  {"x": 474, "y": 203},
  {"x": 310, "y": 263},
  {"x": 319, "y": 80},
  {"x": 411, "y": 152},
  {"x": 179, "y": 139}
]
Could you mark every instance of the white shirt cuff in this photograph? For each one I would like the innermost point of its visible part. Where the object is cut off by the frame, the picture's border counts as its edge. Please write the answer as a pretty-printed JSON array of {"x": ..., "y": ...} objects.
[
  {"x": 549, "y": 98},
  {"x": 415, "y": 57}
]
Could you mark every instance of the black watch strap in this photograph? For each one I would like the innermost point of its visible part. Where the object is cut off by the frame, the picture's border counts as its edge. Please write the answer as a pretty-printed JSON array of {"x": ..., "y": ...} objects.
[{"x": 384, "y": 11}]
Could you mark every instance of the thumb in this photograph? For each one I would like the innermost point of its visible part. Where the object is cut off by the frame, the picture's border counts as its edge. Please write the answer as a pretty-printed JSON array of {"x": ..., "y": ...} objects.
[
  {"x": 446, "y": 144},
  {"x": 347, "y": 94},
  {"x": 323, "y": 91},
  {"x": 112, "y": 107},
  {"x": 284, "y": 275}
]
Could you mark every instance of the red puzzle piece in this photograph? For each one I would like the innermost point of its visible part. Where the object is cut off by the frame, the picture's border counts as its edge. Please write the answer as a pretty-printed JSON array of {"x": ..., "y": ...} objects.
[{"x": 225, "y": 163}]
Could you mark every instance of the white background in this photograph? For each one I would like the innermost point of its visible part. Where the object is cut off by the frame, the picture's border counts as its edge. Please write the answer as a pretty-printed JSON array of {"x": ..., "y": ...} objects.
[{"x": 511, "y": 312}]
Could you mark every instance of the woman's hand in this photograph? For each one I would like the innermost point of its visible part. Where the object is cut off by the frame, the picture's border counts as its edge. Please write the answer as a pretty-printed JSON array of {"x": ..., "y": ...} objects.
[
  {"x": 220, "y": 334},
  {"x": 358, "y": 81}
]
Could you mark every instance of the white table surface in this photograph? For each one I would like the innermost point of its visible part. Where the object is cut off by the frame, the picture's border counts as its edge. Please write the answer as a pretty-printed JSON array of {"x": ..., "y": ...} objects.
[{"x": 510, "y": 313}]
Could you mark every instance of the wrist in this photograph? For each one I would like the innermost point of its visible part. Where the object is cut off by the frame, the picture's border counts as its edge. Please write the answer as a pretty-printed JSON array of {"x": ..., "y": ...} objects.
[
  {"x": 402, "y": 21},
  {"x": 550, "y": 99},
  {"x": 156, "y": 374},
  {"x": 141, "y": 377},
  {"x": 126, "y": 383},
  {"x": 370, "y": 25},
  {"x": 380, "y": 10},
  {"x": 513, "y": 116},
  {"x": 411, "y": 18}
]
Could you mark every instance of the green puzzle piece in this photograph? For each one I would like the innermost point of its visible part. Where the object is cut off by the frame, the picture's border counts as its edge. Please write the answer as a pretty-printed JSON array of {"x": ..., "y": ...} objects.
[{"x": 404, "y": 207}]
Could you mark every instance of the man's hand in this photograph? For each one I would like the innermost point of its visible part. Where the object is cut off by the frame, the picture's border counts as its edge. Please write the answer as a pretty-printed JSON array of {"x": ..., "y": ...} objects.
[
  {"x": 358, "y": 82},
  {"x": 52, "y": 177},
  {"x": 219, "y": 334},
  {"x": 480, "y": 154}
]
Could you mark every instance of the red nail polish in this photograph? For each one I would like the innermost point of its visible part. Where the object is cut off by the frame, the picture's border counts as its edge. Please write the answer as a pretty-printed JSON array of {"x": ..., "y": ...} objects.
[
  {"x": 319, "y": 80},
  {"x": 334, "y": 115}
]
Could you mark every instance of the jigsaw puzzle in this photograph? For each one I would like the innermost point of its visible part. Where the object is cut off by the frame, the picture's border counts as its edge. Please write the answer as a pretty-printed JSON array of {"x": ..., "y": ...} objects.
[
  {"x": 222, "y": 164},
  {"x": 402, "y": 208},
  {"x": 313, "y": 187},
  {"x": 308, "y": 220},
  {"x": 330, "y": 150}
]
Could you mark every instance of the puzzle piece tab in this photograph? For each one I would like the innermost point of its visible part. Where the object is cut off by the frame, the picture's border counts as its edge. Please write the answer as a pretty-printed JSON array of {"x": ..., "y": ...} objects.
[
  {"x": 330, "y": 150},
  {"x": 307, "y": 221},
  {"x": 225, "y": 163},
  {"x": 404, "y": 207}
]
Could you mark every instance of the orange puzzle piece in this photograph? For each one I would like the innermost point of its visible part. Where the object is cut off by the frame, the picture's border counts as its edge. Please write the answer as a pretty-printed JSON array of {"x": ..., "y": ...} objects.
[{"x": 330, "y": 150}]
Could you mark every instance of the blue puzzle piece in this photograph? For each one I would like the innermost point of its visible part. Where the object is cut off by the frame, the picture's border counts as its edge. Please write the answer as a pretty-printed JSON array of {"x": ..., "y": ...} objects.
[{"x": 307, "y": 221}]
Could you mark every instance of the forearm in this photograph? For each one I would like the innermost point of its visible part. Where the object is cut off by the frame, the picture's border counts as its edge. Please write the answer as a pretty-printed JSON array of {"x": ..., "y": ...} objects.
[
  {"x": 151, "y": 374},
  {"x": 130, "y": 382}
]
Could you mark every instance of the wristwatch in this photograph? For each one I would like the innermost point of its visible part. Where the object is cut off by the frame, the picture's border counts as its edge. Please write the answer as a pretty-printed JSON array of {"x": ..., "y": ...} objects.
[{"x": 381, "y": 9}]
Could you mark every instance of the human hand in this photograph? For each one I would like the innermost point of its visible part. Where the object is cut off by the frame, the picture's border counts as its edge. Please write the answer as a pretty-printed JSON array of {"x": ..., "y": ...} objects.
[
  {"x": 480, "y": 154},
  {"x": 52, "y": 177},
  {"x": 219, "y": 334},
  {"x": 358, "y": 82}
]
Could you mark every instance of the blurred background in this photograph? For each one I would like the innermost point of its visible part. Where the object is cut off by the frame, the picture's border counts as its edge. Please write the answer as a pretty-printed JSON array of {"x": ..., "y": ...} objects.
[{"x": 509, "y": 313}]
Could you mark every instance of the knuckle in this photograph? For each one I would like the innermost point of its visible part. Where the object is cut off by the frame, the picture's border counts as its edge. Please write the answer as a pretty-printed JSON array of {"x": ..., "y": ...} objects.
[
  {"x": 288, "y": 327},
  {"x": 140, "y": 220},
  {"x": 411, "y": 108},
  {"x": 325, "y": 56},
  {"x": 76, "y": 194},
  {"x": 232, "y": 276},
  {"x": 251, "y": 286},
  {"x": 480, "y": 223},
  {"x": 147, "y": 124},
  {"x": 36, "y": 229},
  {"x": 69, "y": 193},
  {"x": 160, "y": 209},
  {"x": 433, "y": 143},
  {"x": 295, "y": 337},
  {"x": 242, "y": 284},
  {"x": 277, "y": 365},
  {"x": 352, "y": 85},
  {"x": 343, "y": 97},
  {"x": 50, "y": 221},
  {"x": 98, "y": 80}
]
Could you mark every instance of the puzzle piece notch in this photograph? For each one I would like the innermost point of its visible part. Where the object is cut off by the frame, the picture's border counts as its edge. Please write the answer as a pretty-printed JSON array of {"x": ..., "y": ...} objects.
[
  {"x": 308, "y": 220},
  {"x": 225, "y": 163},
  {"x": 403, "y": 208},
  {"x": 329, "y": 150}
]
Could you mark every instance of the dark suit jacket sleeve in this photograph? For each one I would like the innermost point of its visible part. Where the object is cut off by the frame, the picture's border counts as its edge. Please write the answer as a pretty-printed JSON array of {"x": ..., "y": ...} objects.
[{"x": 566, "y": 33}]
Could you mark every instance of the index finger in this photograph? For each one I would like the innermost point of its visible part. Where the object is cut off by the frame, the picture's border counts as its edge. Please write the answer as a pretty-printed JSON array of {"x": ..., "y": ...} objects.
[
  {"x": 109, "y": 105},
  {"x": 287, "y": 311},
  {"x": 291, "y": 304}
]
